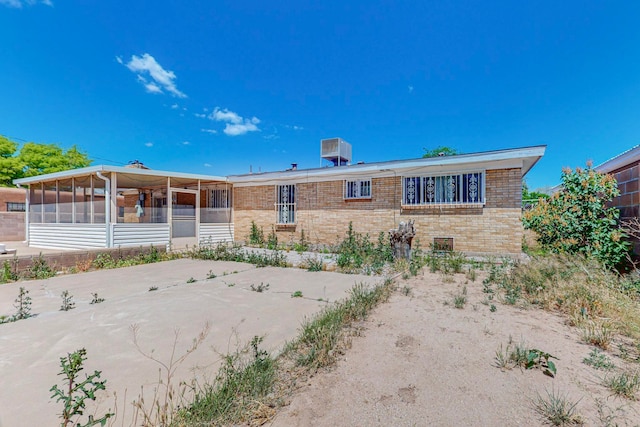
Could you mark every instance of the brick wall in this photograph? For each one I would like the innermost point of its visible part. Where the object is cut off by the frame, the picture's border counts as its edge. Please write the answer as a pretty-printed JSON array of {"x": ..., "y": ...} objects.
[
  {"x": 325, "y": 215},
  {"x": 12, "y": 226},
  {"x": 66, "y": 259},
  {"x": 16, "y": 195},
  {"x": 629, "y": 198}
]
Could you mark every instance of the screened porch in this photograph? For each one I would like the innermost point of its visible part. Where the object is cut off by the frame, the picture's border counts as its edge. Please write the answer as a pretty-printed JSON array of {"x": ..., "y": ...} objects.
[{"x": 108, "y": 206}]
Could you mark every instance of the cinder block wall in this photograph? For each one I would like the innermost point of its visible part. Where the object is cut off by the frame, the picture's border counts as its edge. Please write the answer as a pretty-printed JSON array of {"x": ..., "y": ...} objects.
[
  {"x": 12, "y": 226},
  {"x": 325, "y": 215}
]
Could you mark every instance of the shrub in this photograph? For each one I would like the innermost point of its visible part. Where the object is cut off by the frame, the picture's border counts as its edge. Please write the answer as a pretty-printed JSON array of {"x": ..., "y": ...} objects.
[
  {"x": 578, "y": 218},
  {"x": 256, "y": 235},
  {"x": 76, "y": 391}
]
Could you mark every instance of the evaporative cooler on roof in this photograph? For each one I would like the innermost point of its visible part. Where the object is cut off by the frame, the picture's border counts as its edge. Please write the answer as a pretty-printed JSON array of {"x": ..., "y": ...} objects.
[{"x": 335, "y": 150}]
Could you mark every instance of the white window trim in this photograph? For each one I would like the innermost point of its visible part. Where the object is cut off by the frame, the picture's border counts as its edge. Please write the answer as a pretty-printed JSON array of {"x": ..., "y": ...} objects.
[
  {"x": 358, "y": 181},
  {"x": 279, "y": 206},
  {"x": 424, "y": 203}
]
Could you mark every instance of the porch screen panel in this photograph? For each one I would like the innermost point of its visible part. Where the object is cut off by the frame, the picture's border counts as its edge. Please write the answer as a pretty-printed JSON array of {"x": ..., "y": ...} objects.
[
  {"x": 65, "y": 201},
  {"x": 49, "y": 207},
  {"x": 82, "y": 205},
  {"x": 35, "y": 203},
  {"x": 99, "y": 195}
]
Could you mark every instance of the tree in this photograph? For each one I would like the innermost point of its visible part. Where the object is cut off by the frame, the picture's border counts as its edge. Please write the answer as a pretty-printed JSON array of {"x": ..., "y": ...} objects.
[
  {"x": 532, "y": 196},
  {"x": 36, "y": 159},
  {"x": 48, "y": 158},
  {"x": 440, "y": 151},
  {"x": 10, "y": 166},
  {"x": 577, "y": 219}
]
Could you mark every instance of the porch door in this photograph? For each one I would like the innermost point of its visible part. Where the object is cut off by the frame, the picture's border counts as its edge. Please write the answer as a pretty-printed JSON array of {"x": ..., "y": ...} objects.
[{"x": 184, "y": 205}]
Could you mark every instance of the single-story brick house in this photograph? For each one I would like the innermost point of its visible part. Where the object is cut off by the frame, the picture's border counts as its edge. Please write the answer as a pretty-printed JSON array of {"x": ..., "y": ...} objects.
[{"x": 469, "y": 202}]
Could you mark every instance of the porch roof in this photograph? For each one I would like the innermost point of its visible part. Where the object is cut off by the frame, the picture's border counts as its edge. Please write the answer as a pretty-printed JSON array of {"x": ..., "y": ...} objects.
[{"x": 127, "y": 177}]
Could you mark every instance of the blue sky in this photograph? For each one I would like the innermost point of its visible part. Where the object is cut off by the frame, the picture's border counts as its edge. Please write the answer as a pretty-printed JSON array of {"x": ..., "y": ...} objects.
[{"x": 217, "y": 87}]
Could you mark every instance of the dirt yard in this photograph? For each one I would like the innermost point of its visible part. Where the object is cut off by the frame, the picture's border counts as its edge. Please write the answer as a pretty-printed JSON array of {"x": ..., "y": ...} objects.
[
  {"x": 31, "y": 348},
  {"x": 422, "y": 362}
]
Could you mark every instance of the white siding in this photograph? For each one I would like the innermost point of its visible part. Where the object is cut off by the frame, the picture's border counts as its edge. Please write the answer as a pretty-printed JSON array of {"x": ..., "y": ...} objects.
[
  {"x": 140, "y": 234},
  {"x": 68, "y": 236},
  {"x": 214, "y": 233}
]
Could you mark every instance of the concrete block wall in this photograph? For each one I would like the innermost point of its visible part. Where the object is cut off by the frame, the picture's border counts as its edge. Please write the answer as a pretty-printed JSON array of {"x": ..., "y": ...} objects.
[
  {"x": 12, "y": 226},
  {"x": 324, "y": 215}
]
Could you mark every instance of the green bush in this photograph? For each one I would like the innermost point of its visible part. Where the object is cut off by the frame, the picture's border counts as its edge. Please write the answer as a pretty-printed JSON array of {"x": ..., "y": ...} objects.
[{"x": 578, "y": 219}]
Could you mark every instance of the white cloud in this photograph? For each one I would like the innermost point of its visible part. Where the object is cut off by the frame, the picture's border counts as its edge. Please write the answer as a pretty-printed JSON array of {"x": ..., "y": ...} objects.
[
  {"x": 186, "y": 143},
  {"x": 225, "y": 116},
  {"x": 410, "y": 88},
  {"x": 207, "y": 165},
  {"x": 174, "y": 107},
  {"x": 235, "y": 124},
  {"x": 200, "y": 115},
  {"x": 154, "y": 78},
  {"x": 213, "y": 131},
  {"x": 148, "y": 144},
  {"x": 294, "y": 127},
  {"x": 19, "y": 3}
]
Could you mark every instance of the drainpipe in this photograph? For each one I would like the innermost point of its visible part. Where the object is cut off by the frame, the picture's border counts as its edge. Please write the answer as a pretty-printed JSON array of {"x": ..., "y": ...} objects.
[
  {"x": 107, "y": 206},
  {"x": 26, "y": 214}
]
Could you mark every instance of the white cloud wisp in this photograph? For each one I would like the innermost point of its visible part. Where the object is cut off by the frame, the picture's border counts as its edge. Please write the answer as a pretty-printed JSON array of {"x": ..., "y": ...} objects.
[
  {"x": 154, "y": 78},
  {"x": 18, "y": 4},
  {"x": 235, "y": 124}
]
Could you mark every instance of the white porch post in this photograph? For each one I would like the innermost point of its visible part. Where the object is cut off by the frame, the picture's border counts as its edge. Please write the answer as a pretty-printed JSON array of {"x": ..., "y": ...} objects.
[
  {"x": 198, "y": 214},
  {"x": 169, "y": 210}
]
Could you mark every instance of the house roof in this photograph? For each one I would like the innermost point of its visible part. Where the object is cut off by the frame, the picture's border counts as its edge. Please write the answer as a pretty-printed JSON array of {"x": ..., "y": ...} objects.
[
  {"x": 524, "y": 158},
  {"x": 127, "y": 177},
  {"x": 630, "y": 156}
]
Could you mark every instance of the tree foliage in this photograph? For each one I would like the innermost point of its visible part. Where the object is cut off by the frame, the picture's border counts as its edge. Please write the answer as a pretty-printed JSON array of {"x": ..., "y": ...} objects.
[
  {"x": 578, "y": 220},
  {"x": 532, "y": 195},
  {"x": 36, "y": 159},
  {"x": 440, "y": 151}
]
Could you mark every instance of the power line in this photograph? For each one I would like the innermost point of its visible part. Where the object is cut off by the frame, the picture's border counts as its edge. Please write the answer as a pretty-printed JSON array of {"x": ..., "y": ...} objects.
[{"x": 15, "y": 138}]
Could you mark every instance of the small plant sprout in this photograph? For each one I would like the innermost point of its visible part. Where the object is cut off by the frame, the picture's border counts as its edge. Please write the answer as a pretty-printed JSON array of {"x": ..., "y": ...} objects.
[
  {"x": 598, "y": 360},
  {"x": 406, "y": 290},
  {"x": 260, "y": 288},
  {"x": 191, "y": 280},
  {"x": 557, "y": 409},
  {"x": 96, "y": 299},
  {"x": 296, "y": 294},
  {"x": 460, "y": 300},
  {"x": 211, "y": 275},
  {"x": 624, "y": 384},
  {"x": 153, "y": 288},
  {"x": 76, "y": 391},
  {"x": 67, "y": 301},
  {"x": 540, "y": 359},
  {"x": 22, "y": 305}
]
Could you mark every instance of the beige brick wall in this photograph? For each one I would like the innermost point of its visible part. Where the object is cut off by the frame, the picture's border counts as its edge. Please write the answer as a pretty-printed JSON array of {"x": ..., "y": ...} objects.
[{"x": 325, "y": 215}]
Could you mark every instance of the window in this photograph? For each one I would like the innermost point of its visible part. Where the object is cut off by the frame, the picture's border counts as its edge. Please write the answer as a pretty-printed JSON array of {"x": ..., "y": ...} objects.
[
  {"x": 286, "y": 204},
  {"x": 16, "y": 207},
  {"x": 460, "y": 189},
  {"x": 219, "y": 198},
  {"x": 358, "y": 189}
]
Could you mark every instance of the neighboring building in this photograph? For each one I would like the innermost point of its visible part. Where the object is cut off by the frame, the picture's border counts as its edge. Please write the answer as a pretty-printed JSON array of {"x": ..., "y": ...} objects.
[
  {"x": 470, "y": 203},
  {"x": 12, "y": 213},
  {"x": 625, "y": 168}
]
